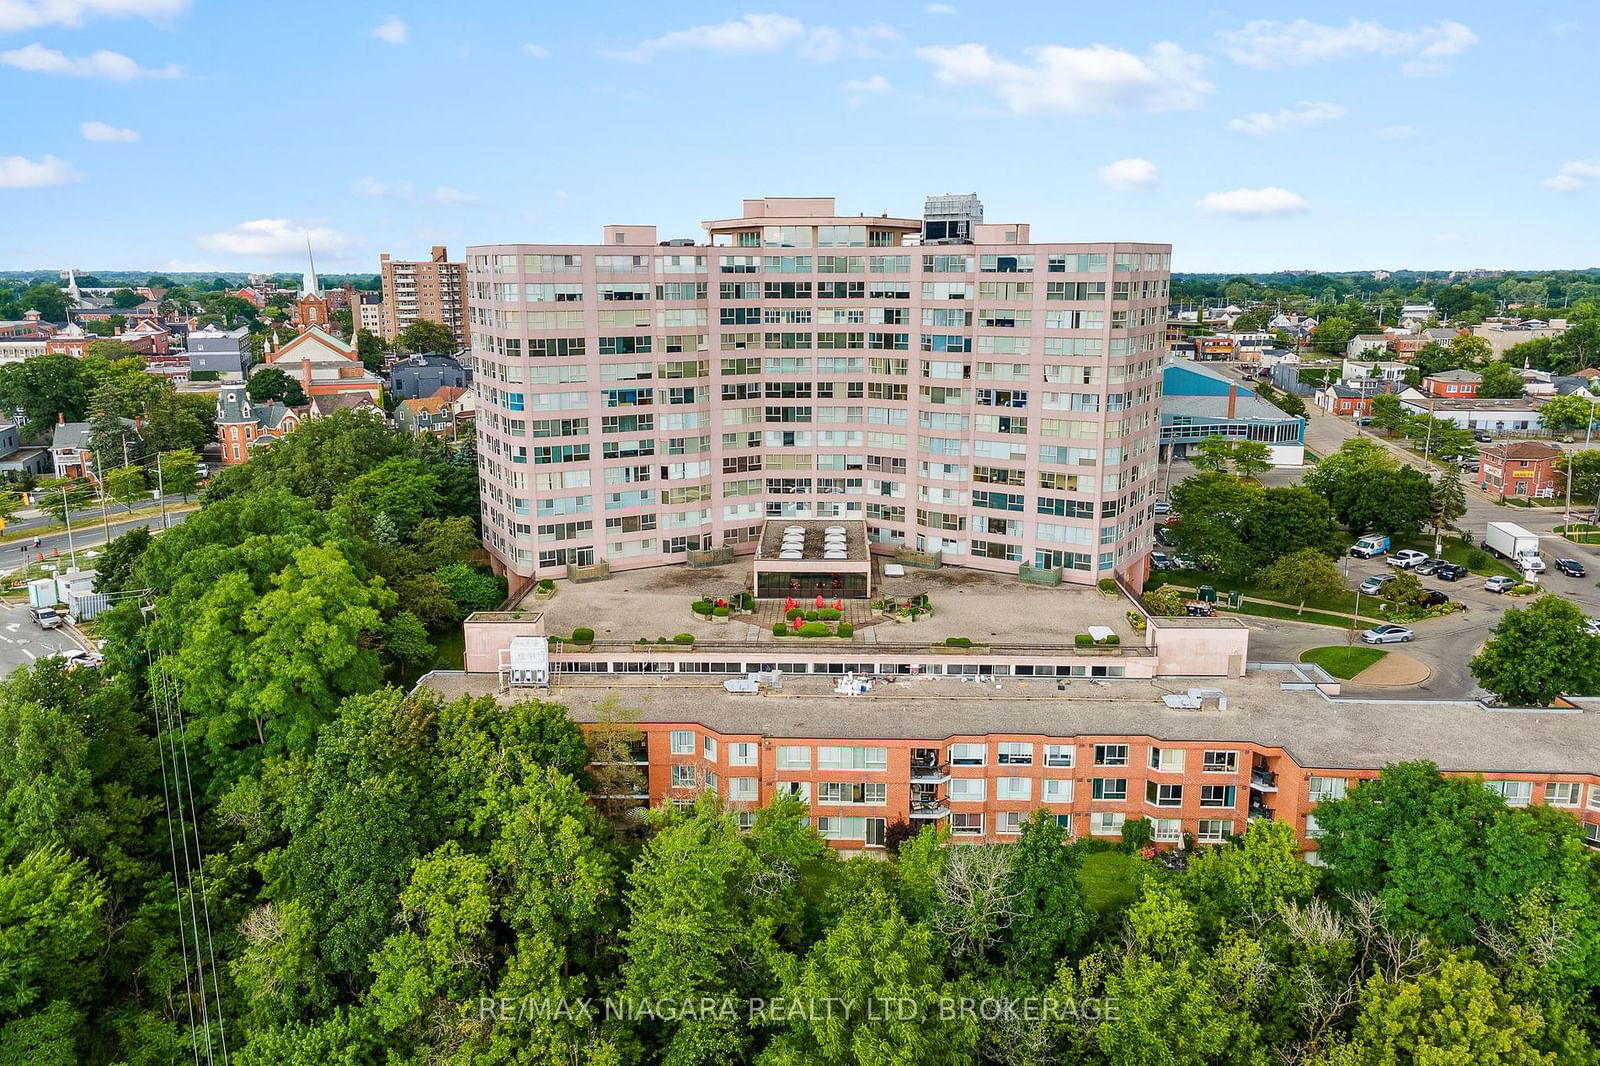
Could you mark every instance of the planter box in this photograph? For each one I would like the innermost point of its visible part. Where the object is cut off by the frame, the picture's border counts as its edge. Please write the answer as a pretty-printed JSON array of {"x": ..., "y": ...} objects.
[
  {"x": 945, "y": 649},
  {"x": 663, "y": 647}
]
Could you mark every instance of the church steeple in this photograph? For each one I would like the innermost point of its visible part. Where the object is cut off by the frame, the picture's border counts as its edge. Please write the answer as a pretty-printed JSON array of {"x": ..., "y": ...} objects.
[{"x": 308, "y": 282}]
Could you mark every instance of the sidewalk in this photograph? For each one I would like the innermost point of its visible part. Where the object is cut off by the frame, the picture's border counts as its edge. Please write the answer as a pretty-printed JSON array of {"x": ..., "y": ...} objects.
[{"x": 87, "y": 525}]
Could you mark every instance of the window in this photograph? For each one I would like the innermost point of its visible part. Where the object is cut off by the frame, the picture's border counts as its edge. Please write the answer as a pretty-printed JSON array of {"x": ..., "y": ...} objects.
[
  {"x": 793, "y": 758},
  {"x": 683, "y": 775},
  {"x": 708, "y": 749},
  {"x": 1111, "y": 755},
  {"x": 1516, "y": 793},
  {"x": 1327, "y": 788},
  {"x": 1015, "y": 753},
  {"x": 743, "y": 754},
  {"x": 876, "y": 832},
  {"x": 1106, "y": 823},
  {"x": 1562, "y": 793},
  {"x": 966, "y": 755},
  {"x": 1163, "y": 795},
  {"x": 1313, "y": 830},
  {"x": 1110, "y": 788},
  {"x": 1213, "y": 831},
  {"x": 1057, "y": 790},
  {"x": 1009, "y": 823},
  {"x": 968, "y": 789},
  {"x": 1167, "y": 760},
  {"x": 834, "y": 828},
  {"x": 852, "y": 758},
  {"x": 1218, "y": 795},
  {"x": 1013, "y": 788},
  {"x": 1220, "y": 762},
  {"x": 682, "y": 742},
  {"x": 743, "y": 790},
  {"x": 1594, "y": 797},
  {"x": 875, "y": 792},
  {"x": 966, "y": 824},
  {"x": 1058, "y": 756},
  {"x": 1166, "y": 830}
]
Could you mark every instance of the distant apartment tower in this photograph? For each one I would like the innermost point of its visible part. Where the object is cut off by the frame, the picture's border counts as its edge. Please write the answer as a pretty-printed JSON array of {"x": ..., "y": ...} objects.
[
  {"x": 995, "y": 402},
  {"x": 432, "y": 290}
]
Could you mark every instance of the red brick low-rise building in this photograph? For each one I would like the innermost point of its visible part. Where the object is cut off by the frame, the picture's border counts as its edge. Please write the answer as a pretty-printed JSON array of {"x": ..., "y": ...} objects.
[
  {"x": 1452, "y": 384},
  {"x": 1520, "y": 469}
]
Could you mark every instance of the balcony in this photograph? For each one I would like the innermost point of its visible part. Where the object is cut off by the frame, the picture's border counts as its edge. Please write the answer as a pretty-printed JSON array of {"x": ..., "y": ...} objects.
[
  {"x": 1260, "y": 810},
  {"x": 1263, "y": 780},
  {"x": 927, "y": 803},
  {"x": 926, "y": 767}
]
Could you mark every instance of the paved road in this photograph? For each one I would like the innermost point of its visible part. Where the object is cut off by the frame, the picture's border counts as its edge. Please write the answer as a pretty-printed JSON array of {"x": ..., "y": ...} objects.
[
  {"x": 22, "y": 642},
  {"x": 84, "y": 539}
]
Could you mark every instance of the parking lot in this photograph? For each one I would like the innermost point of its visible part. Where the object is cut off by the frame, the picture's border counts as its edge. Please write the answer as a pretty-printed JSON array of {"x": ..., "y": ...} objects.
[{"x": 22, "y": 643}]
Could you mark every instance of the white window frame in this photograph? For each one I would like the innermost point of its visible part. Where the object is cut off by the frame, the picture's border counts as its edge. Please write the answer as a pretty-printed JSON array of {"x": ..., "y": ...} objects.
[
  {"x": 682, "y": 742},
  {"x": 1106, "y": 823},
  {"x": 1013, "y": 753},
  {"x": 1059, "y": 756},
  {"x": 794, "y": 757},
  {"x": 744, "y": 753},
  {"x": 968, "y": 789},
  {"x": 963, "y": 754},
  {"x": 1056, "y": 790},
  {"x": 1553, "y": 789},
  {"x": 1013, "y": 788}
]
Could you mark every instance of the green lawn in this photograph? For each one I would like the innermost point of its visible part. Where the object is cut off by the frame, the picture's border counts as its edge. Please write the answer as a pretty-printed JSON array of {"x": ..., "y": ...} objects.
[
  {"x": 1106, "y": 878},
  {"x": 1342, "y": 602},
  {"x": 1341, "y": 661}
]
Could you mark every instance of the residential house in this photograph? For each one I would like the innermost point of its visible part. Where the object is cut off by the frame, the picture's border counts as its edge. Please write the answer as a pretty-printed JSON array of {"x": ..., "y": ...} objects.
[
  {"x": 1519, "y": 468},
  {"x": 1215, "y": 349},
  {"x": 1347, "y": 398},
  {"x": 1381, "y": 371},
  {"x": 1361, "y": 344},
  {"x": 426, "y": 373},
  {"x": 219, "y": 353},
  {"x": 1505, "y": 334},
  {"x": 243, "y": 426},
  {"x": 1406, "y": 346},
  {"x": 324, "y": 366},
  {"x": 440, "y": 414},
  {"x": 252, "y": 296},
  {"x": 70, "y": 453},
  {"x": 1458, "y": 384},
  {"x": 15, "y": 460}
]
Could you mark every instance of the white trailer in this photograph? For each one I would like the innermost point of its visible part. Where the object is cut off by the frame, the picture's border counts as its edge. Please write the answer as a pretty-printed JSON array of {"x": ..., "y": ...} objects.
[{"x": 1510, "y": 541}]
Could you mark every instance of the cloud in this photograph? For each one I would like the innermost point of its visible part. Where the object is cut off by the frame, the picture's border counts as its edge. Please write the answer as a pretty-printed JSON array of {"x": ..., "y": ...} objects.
[
  {"x": 1270, "y": 202},
  {"x": 1573, "y": 176},
  {"x": 453, "y": 197},
  {"x": 98, "y": 64},
  {"x": 875, "y": 84},
  {"x": 1269, "y": 123},
  {"x": 1396, "y": 133},
  {"x": 391, "y": 31},
  {"x": 20, "y": 172},
  {"x": 1266, "y": 44},
  {"x": 19, "y": 15},
  {"x": 757, "y": 34},
  {"x": 537, "y": 51},
  {"x": 1081, "y": 81},
  {"x": 939, "y": 9},
  {"x": 373, "y": 189},
  {"x": 1129, "y": 174},
  {"x": 104, "y": 131},
  {"x": 271, "y": 237}
]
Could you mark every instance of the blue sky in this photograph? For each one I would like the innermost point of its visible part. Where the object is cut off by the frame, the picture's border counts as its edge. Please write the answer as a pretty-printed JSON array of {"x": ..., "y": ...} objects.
[{"x": 202, "y": 134}]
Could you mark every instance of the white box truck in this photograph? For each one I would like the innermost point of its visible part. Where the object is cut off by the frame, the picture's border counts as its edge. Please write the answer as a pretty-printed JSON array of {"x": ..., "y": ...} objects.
[{"x": 1513, "y": 543}]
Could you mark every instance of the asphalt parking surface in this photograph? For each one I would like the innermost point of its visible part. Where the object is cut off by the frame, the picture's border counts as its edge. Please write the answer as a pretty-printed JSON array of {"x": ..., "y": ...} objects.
[{"x": 22, "y": 642}]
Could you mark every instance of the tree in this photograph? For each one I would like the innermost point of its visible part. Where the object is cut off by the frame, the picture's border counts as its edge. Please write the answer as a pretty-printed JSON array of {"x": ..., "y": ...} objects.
[
  {"x": 472, "y": 589},
  {"x": 1560, "y": 413},
  {"x": 126, "y": 485},
  {"x": 1387, "y": 411},
  {"x": 1467, "y": 351},
  {"x": 110, "y": 351},
  {"x": 47, "y": 386},
  {"x": 1304, "y": 575},
  {"x": 425, "y": 335},
  {"x": 1213, "y": 454},
  {"x": 126, "y": 299},
  {"x": 47, "y": 298},
  {"x": 1538, "y": 653},
  {"x": 1251, "y": 457},
  {"x": 372, "y": 349},
  {"x": 1289, "y": 404},
  {"x": 1166, "y": 601},
  {"x": 1501, "y": 380},
  {"x": 1332, "y": 335},
  {"x": 117, "y": 560},
  {"x": 270, "y": 384},
  {"x": 1449, "y": 501},
  {"x": 1584, "y": 468},
  {"x": 112, "y": 441},
  {"x": 180, "y": 474}
]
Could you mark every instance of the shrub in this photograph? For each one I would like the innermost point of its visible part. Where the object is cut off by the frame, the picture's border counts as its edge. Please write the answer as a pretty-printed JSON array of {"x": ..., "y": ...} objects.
[
  {"x": 1477, "y": 559},
  {"x": 1083, "y": 640},
  {"x": 958, "y": 642},
  {"x": 1136, "y": 833},
  {"x": 702, "y": 608},
  {"x": 815, "y": 629},
  {"x": 779, "y": 629},
  {"x": 722, "y": 612},
  {"x": 811, "y": 616},
  {"x": 1106, "y": 585},
  {"x": 546, "y": 585},
  {"x": 661, "y": 640},
  {"x": 683, "y": 638},
  {"x": 1523, "y": 589},
  {"x": 747, "y": 602},
  {"x": 846, "y": 629},
  {"x": 583, "y": 635},
  {"x": 827, "y": 614},
  {"x": 793, "y": 613},
  {"x": 1112, "y": 639}
]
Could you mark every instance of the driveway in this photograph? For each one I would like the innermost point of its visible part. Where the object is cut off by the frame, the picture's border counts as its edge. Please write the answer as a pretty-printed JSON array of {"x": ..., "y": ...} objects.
[{"x": 22, "y": 643}]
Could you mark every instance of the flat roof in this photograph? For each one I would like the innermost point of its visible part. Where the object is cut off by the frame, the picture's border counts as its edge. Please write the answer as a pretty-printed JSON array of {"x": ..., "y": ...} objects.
[
  {"x": 1317, "y": 731},
  {"x": 815, "y": 533}
]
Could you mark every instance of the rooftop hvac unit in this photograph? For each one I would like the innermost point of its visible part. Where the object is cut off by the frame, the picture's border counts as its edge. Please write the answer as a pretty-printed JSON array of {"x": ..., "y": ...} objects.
[{"x": 529, "y": 662}]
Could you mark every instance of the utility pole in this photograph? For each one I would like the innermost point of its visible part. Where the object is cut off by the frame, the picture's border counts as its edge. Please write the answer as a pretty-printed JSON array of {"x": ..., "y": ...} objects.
[
  {"x": 66, "y": 512},
  {"x": 100, "y": 477},
  {"x": 161, "y": 494}
]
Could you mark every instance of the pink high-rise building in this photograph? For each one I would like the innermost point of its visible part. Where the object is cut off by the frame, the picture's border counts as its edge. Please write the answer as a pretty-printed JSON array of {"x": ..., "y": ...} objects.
[{"x": 959, "y": 388}]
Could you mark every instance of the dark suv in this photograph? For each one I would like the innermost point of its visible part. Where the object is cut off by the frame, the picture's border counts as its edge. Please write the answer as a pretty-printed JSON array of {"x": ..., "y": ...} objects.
[{"x": 1450, "y": 572}]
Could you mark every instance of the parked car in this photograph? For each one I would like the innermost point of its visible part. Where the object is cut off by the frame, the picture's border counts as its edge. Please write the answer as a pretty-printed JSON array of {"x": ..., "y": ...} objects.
[
  {"x": 1160, "y": 560},
  {"x": 1164, "y": 537},
  {"x": 1499, "y": 584},
  {"x": 76, "y": 657},
  {"x": 1374, "y": 584},
  {"x": 1183, "y": 562},
  {"x": 1386, "y": 634},
  {"x": 1434, "y": 598},
  {"x": 1370, "y": 545},
  {"x": 1450, "y": 572},
  {"x": 1483, "y": 438},
  {"x": 1592, "y": 627},
  {"x": 45, "y": 617},
  {"x": 1427, "y": 566},
  {"x": 1570, "y": 567},
  {"x": 1163, "y": 507},
  {"x": 1406, "y": 558}
]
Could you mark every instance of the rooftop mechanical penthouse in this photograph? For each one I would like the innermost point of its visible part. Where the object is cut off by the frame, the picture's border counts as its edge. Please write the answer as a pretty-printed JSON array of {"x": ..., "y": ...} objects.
[{"x": 963, "y": 391}]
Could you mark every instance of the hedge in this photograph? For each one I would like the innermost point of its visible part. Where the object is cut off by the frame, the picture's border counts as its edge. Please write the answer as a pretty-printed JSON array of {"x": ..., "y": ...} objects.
[
  {"x": 958, "y": 642},
  {"x": 1083, "y": 640},
  {"x": 1112, "y": 639},
  {"x": 583, "y": 635},
  {"x": 683, "y": 638},
  {"x": 779, "y": 629},
  {"x": 815, "y": 629},
  {"x": 722, "y": 612},
  {"x": 546, "y": 585},
  {"x": 793, "y": 613},
  {"x": 846, "y": 629},
  {"x": 702, "y": 608}
]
